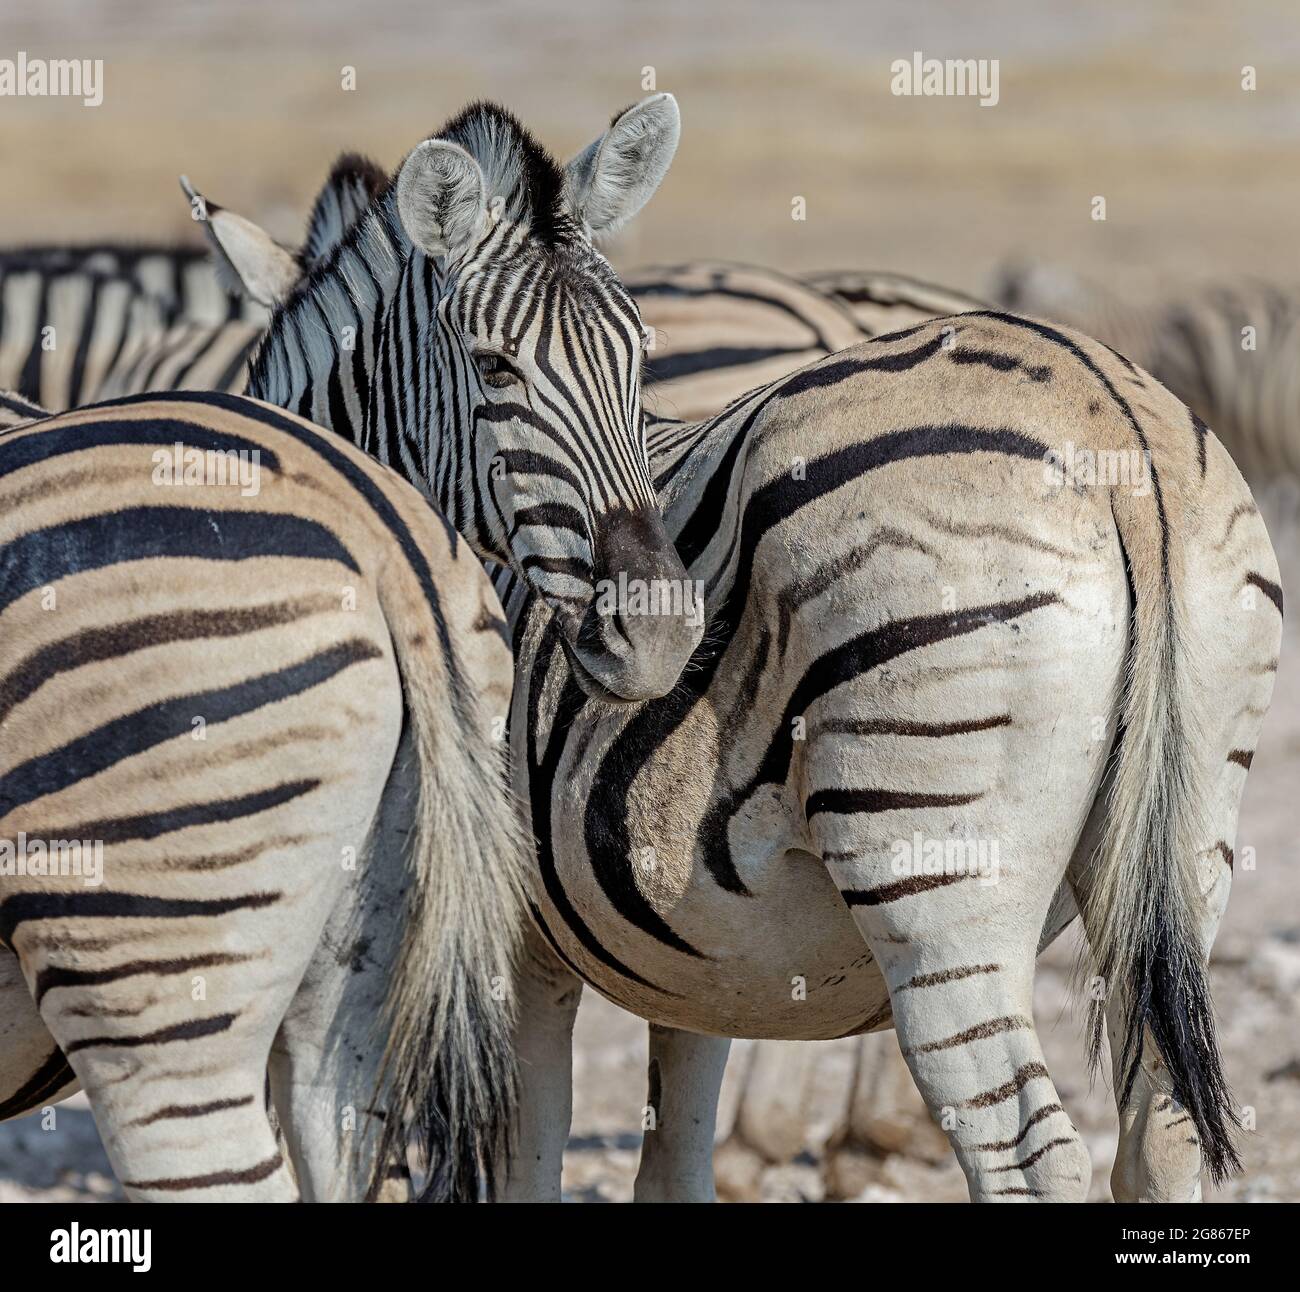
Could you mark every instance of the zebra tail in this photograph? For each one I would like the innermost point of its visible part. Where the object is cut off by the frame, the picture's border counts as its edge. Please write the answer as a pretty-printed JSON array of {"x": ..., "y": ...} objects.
[
  {"x": 1143, "y": 906},
  {"x": 449, "y": 1068}
]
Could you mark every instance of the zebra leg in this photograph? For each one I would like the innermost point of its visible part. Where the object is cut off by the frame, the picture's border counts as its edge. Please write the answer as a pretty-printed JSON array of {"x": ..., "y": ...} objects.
[
  {"x": 677, "y": 1148},
  {"x": 325, "y": 1063},
  {"x": 957, "y": 944},
  {"x": 961, "y": 995},
  {"x": 324, "y": 1066},
  {"x": 171, "y": 1044},
  {"x": 194, "y": 1092},
  {"x": 549, "y": 995}
]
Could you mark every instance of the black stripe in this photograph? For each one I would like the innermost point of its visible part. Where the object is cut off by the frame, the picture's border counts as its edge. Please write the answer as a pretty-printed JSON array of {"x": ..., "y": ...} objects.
[
  {"x": 193, "y": 1029},
  {"x": 134, "y": 733},
  {"x": 44, "y": 556},
  {"x": 1201, "y": 430},
  {"x": 93, "y": 645},
  {"x": 873, "y": 800},
  {"x": 1270, "y": 589},
  {"x": 177, "y": 1184},
  {"x": 1000, "y": 362},
  {"x": 173, "y": 1112},
  {"x": 688, "y": 363},
  {"x": 73, "y": 435},
  {"x": 83, "y": 342},
  {"x": 883, "y": 894},
  {"x": 29, "y": 377},
  {"x": 24, "y": 907},
  {"x": 53, "y": 977},
  {"x": 150, "y": 825}
]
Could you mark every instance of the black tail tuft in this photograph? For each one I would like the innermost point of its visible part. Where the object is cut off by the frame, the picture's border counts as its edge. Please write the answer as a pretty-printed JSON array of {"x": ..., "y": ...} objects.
[
  {"x": 464, "y": 1122},
  {"x": 1169, "y": 994}
]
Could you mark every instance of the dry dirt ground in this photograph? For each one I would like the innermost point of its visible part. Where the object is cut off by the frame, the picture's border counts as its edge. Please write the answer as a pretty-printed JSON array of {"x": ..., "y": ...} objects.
[{"x": 1140, "y": 104}]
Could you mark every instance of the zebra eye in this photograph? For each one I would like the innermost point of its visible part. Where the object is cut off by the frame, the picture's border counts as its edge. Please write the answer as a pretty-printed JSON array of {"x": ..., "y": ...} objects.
[
  {"x": 647, "y": 337},
  {"x": 495, "y": 371}
]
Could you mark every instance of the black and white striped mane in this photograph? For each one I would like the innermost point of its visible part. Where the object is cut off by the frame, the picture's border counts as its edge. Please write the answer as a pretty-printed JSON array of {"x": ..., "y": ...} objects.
[{"x": 517, "y": 168}]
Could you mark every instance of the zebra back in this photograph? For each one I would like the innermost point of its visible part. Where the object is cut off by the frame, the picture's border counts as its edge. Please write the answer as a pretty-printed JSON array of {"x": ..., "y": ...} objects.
[
  {"x": 187, "y": 356},
  {"x": 883, "y": 302},
  {"x": 721, "y": 329}
]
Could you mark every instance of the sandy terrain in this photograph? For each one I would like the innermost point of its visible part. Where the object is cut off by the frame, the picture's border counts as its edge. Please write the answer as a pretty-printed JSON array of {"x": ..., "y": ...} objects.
[{"x": 1142, "y": 105}]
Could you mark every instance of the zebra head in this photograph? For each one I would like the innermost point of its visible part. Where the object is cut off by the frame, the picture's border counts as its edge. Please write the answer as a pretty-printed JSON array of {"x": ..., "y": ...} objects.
[
  {"x": 535, "y": 440},
  {"x": 496, "y": 360}
]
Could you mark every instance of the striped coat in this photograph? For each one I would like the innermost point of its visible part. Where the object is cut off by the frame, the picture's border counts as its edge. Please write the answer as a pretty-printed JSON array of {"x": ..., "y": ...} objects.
[
  {"x": 908, "y": 586},
  {"x": 252, "y": 814}
]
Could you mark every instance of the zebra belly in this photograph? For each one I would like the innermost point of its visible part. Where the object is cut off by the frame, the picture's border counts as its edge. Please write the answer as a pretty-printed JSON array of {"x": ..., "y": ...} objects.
[{"x": 787, "y": 963}]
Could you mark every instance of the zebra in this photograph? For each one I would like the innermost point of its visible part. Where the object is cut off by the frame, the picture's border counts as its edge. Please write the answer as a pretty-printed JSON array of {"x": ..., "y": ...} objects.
[
  {"x": 267, "y": 716},
  {"x": 63, "y": 329},
  {"x": 732, "y": 910},
  {"x": 882, "y": 301},
  {"x": 721, "y": 329},
  {"x": 1228, "y": 350},
  {"x": 179, "y": 277},
  {"x": 84, "y": 323},
  {"x": 928, "y": 621}
]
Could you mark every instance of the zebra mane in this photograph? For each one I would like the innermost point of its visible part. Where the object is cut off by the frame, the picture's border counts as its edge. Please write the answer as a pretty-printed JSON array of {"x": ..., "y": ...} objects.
[
  {"x": 353, "y": 184},
  {"x": 517, "y": 169}
]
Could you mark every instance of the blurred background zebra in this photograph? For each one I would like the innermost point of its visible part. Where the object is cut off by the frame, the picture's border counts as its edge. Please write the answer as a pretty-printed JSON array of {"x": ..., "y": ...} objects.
[{"x": 1229, "y": 350}]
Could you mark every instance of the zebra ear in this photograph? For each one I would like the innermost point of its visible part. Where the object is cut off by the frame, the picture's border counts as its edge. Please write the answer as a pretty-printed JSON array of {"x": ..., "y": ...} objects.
[
  {"x": 614, "y": 177},
  {"x": 248, "y": 261},
  {"x": 441, "y": 198}
]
